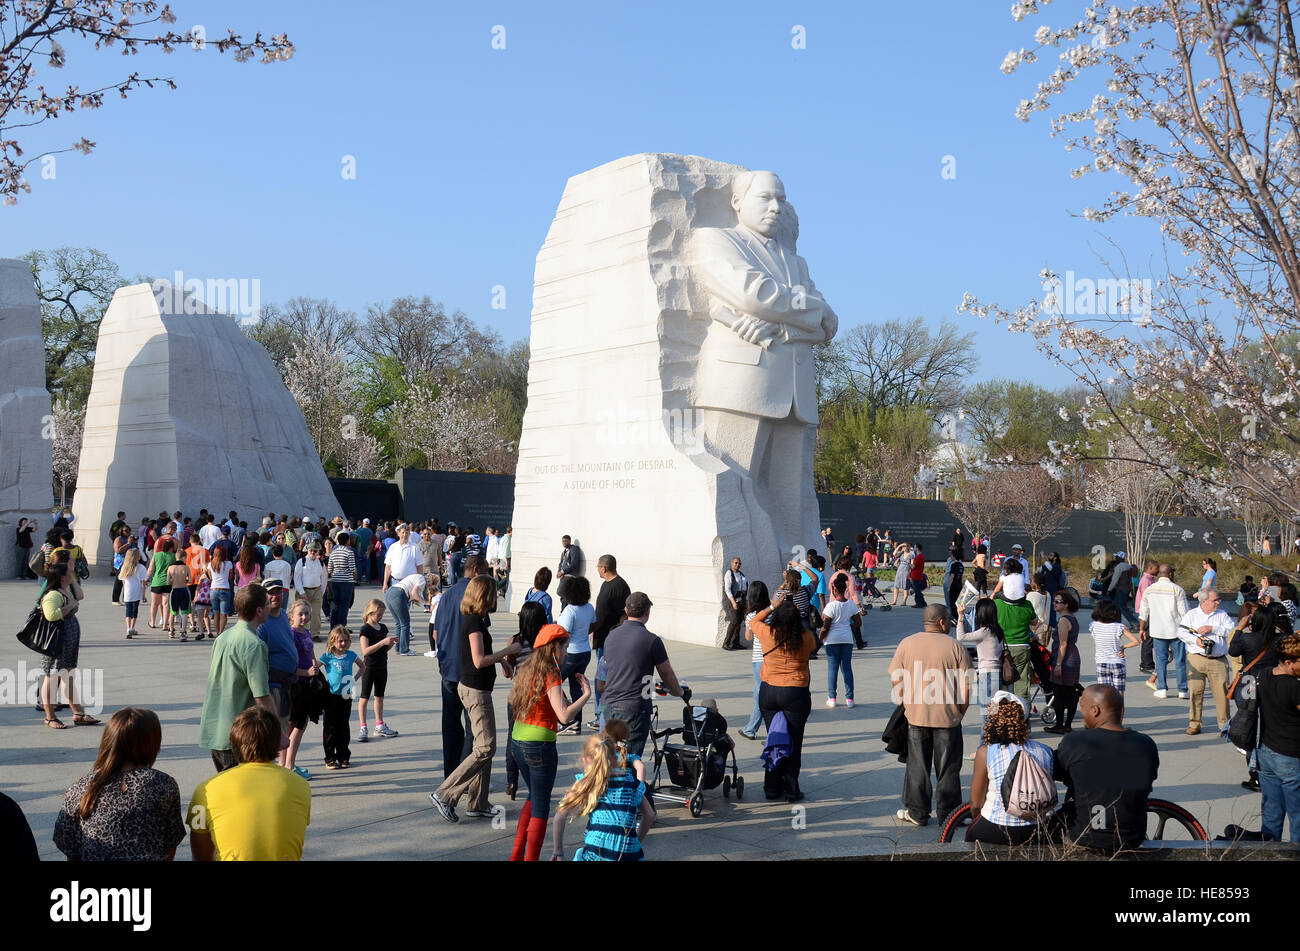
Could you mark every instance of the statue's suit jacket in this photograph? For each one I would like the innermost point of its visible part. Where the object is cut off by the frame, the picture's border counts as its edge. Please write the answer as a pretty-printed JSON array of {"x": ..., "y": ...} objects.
[{"x": 747, "y": 275}]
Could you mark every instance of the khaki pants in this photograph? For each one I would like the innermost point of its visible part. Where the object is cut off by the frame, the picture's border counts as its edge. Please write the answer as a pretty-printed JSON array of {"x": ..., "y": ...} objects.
[
  {"x": 470, "y": 778},
  {"x": 313, "y": 597},
  {"x": 1199, "y": 670}
]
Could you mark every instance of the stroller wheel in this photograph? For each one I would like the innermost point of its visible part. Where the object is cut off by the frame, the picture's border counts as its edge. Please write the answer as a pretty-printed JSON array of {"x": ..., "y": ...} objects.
[
  {"x": 726, "y": 787},
  {"x": 1049, "y": 716},
  {"x": 739, "y": 786},
  {"x": 696, "y": 804}
]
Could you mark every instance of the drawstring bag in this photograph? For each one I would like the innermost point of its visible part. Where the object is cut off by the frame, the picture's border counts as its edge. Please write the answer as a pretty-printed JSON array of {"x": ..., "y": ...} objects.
[{"x": 1027, "y": 791}]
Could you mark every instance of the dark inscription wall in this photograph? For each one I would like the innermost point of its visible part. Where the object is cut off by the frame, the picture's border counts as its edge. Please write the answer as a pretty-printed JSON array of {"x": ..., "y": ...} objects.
[{"x": 481, "y": 499}]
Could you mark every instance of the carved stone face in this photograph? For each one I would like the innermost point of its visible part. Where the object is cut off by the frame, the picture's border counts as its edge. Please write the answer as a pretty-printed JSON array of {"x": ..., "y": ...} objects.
[{"x": 759, "y": 209}]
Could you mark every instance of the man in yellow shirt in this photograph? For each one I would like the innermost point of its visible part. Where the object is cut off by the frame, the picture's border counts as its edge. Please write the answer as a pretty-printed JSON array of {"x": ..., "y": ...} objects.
[{"x": 256, "y": 811}]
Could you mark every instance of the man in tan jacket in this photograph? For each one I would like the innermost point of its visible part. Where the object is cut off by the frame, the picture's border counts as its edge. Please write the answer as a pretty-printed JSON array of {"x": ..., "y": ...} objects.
[{"x": 931, "y": 679}]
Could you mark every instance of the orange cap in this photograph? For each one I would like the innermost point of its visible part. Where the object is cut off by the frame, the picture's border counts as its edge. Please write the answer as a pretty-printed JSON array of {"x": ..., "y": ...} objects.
[{"x": 548, "y": 633}]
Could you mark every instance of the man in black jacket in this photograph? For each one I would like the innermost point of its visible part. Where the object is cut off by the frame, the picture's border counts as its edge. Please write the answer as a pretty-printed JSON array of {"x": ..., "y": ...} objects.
[{"x": 610, "y": 602}]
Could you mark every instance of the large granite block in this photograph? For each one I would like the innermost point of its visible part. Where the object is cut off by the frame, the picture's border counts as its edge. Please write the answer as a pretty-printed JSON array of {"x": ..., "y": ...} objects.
[
  {"x": 186, "y": 412},
  {"x": 671, "y": 399},
  {"x": 25, "y": 472}
]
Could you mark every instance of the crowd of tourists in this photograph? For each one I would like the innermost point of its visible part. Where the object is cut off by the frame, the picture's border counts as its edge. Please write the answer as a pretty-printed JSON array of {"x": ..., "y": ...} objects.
[{"x": 262, "y": 595}]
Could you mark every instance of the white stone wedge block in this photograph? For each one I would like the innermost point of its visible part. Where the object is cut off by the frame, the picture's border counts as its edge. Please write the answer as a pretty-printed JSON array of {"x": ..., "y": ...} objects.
[{"x": 186, "y": 412}]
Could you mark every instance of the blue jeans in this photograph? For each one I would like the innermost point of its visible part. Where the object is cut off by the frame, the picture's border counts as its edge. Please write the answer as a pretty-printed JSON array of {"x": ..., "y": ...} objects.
[
  {"x": 363, "y": 567},
  {"x": 575, "y": 664},
  {"x": 1129, "y": 616},
  {"x": 1279, "y": 782},
  {"x": 341, "y": 593},
  {"x": 638, "y": 724},
  {"x": 538, "y": 763},
  {"x": 223, "y": 601},
  {"x": 1163, "y": 648},
  {"x": 986, "y": 685},
  {"x": 838, "y": 658},
  {"x": 756, "y": 717},
  {"x": 399, "y": 606}
]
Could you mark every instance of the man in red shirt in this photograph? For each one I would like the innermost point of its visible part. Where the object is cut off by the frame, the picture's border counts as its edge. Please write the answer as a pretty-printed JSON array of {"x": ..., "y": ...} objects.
[{"x": 916, "y": 577}]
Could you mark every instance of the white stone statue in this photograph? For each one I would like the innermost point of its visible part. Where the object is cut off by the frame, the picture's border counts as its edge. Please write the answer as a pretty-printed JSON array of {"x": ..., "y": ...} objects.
[
  {"x": 671, "y": 398},
  {"x": 756, "y": 380}
]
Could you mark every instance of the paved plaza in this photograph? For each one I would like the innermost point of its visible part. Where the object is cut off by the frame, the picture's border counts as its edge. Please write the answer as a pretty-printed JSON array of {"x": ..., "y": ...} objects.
[{"x": 379, "y": 809}]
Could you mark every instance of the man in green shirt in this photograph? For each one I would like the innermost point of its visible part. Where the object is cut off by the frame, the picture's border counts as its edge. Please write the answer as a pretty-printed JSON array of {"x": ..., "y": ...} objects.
[
  {"x": 1015, "y": 619},
  {"x": 237, "y": 676}
]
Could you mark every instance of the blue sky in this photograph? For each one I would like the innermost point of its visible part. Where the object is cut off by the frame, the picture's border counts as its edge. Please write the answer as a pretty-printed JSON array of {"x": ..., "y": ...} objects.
[{"x": 462, "y": 151}]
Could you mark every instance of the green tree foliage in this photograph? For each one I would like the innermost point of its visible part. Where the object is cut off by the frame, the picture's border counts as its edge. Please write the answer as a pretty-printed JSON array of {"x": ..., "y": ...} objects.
[{"x": 74, "y": 286}]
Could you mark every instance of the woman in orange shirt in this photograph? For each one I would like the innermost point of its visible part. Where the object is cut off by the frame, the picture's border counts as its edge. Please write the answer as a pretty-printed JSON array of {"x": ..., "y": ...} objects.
[
  {"x": 196, "y": 559},
  {"x": 787, "y": 645}
]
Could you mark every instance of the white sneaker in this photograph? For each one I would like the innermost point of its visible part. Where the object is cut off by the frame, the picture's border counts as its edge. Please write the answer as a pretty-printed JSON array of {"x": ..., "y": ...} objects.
[
  {"x": 1181, "y": 695},
  {"x": 363, "y": 735},
  {"x": 830, "y": 703},
  {"x": 1161, "y": 694},
  {"x": 849, "y": 703}
]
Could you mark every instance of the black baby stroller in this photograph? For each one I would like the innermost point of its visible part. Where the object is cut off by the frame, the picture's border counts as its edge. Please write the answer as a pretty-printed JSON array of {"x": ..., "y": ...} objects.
[
  {"x": 870, "y": 597},
  {"x": 699, "y": 762}
]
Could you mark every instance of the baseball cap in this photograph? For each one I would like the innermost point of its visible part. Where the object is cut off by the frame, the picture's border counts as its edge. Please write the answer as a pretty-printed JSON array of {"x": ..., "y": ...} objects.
[
  {"x": 548, "y": 633},
  {"x": 638, "y": 602},
  {"x": 365, "y": 521},
  {"x": 1017, "y": 547},
  {"x": 272, "y": 584},
  {"x": 1121, "y": 554}
]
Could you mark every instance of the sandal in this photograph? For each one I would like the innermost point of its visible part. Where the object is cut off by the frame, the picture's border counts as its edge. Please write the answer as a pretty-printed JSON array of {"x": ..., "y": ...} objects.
[
  {"x": 85, "y": 719},
  {"x": 54, "y": 723}
]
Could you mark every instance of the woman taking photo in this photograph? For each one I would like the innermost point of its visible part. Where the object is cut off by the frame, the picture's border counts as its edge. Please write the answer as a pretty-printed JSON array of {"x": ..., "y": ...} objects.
[
  {"x": 1006, "y": 733},
  {"x": 988, "y": 640},
  {"x": 539, "y": 708},
  {"x": 1064, "y": 648},
  {"x": 61, "y": 601},
  {"x": 900, "y": 577},
  {"x": 123, "y": 810},
  {"x": 477, "y": 677},
  {"x": 787, "y": 645}
]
